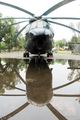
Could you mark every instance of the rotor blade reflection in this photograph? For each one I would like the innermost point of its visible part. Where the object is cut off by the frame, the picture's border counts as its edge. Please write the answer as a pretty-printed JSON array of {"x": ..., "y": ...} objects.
[
  {"x": 14, "y": 87},
  {"x": 64, "y": 26},
  {"x": 14, "y": 112},
  {"x": 12, "y": 94},
  {"x": 20, "y": 77},
  {"x": 55, "y": 112},
  {"x": 66, "y": 95},
  {"x": 16, "y": 7},
  {"x": 60, "y": 4},
  {"x": 64, "y": 85}
]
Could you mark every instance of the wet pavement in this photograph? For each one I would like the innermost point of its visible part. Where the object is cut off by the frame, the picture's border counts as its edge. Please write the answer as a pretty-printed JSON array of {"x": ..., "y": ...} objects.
[
  {"x": 56, "y": 56},
  {"x": 39, "y": 89}
]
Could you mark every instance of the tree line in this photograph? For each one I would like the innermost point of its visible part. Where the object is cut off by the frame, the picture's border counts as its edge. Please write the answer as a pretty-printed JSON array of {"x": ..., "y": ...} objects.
[{"x": 74, "y": 39}]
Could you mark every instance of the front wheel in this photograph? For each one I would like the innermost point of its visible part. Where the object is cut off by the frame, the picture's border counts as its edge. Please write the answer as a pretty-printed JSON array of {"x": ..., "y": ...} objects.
[
  {"x": 26, "y": 54},
  {"x": 49, "y": 54}
]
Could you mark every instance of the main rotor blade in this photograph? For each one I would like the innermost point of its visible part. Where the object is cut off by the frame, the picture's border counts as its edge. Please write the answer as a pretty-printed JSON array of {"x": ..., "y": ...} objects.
[
  {"x": 15, "y": 37},
  {"x": 66, "y": 18},
  {"x": 16, "y": 7},
  {"x": 12, "y": 24},
  {"x": 56, "y": 112},
  {"x": 13, "y": 18},
  {"x": 60, "y": 4},
  {"x": 64, "y": 26},
  {"x": 6, "y": 117},
  {"x": 66, "y": 95}
]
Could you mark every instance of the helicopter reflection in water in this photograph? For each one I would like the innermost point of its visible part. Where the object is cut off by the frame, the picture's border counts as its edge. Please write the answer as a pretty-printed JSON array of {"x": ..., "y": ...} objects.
[{"x": 39, "y": 82}]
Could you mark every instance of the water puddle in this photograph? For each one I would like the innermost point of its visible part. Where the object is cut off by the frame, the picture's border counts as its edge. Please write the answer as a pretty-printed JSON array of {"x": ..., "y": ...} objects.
[{"x": 38, "y": 90}]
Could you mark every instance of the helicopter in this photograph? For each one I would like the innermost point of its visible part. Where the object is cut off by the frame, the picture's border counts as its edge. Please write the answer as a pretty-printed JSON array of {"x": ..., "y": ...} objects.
[{"x": 39, "y": 32}]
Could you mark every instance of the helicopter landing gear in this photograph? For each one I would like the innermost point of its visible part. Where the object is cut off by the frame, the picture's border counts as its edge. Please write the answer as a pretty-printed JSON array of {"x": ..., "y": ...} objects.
[
  {"x": 49, "y": 55},
  {"x": 26, "y": 54}
]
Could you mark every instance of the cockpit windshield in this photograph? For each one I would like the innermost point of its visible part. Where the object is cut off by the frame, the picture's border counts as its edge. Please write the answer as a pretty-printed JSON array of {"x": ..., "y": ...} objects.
[
  {"x": 39, "y": 24},
  {"x": 34, "y": 25},
  {"x": 46, "y": 25}
]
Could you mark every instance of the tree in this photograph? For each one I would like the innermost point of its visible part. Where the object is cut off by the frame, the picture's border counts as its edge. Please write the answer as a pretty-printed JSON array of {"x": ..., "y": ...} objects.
[
  {"x": 10, "y": 33},
  {"x": 9, "y": 73},
  {"x": 20, "y": 43},
  {"x": 74, "y": 39},
  {"x": 1, "y": 32},
  {"x": 61, "y": 43},
  {"x": 7, "y": 33},
  {"x": 78, "y": 27},
  {"x": 73, "y": 26}
]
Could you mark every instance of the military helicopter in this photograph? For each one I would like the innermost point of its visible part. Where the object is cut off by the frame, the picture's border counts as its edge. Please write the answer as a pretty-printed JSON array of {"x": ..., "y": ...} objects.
[{"x": 39, "y": 32}]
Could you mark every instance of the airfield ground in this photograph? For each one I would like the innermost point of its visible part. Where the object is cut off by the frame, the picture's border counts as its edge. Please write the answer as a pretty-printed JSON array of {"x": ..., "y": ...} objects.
[{"x": 19, "y": 55}]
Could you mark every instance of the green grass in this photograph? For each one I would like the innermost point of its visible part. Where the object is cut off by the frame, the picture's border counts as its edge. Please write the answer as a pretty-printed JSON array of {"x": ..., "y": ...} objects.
[
  {"x": 58, "y": 52},
  {"x": 63, "y": 52}
]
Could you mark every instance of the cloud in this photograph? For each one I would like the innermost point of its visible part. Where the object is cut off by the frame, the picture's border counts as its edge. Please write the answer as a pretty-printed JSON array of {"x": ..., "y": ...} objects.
[{"x": 64, "y": 106}]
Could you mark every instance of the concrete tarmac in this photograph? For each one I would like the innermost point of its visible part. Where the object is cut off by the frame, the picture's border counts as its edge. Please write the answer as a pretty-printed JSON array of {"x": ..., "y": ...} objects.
[{"x": 19, "y": 55}]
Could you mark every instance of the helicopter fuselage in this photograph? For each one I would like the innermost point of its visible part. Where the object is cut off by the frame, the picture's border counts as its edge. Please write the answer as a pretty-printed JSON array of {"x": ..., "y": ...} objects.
[{"x": 39, "y": 37}]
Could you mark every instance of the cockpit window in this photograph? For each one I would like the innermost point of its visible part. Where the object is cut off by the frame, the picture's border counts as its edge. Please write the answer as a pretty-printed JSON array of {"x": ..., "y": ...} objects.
[
  {"x": 45, "y": 24},
  {"x": 33, "y": 25},
  {"x": 40, "y": 24}
]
